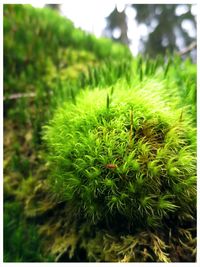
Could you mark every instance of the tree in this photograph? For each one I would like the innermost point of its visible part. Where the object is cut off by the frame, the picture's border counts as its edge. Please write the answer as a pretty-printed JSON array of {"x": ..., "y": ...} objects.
[
  {"x": 116, "y": 23},
  {"x": 53, "y": 6},
  {"x": 165, "y": 25},
  {"x": 168, "y": 27}
]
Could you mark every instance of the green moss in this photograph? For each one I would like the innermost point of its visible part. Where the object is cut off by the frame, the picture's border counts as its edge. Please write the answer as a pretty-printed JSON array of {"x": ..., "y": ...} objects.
[
  {"x": 21, "y": 241},
  {"x": 121, "y": 147},
  {"x": 123, "y": 160},
  {"x": 46, "y": 56},
  {"x": 32, "y": 37}
]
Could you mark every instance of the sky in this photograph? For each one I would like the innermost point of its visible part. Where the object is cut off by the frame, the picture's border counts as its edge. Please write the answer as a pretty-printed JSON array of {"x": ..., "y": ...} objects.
[{"x": 90, "y": 16}]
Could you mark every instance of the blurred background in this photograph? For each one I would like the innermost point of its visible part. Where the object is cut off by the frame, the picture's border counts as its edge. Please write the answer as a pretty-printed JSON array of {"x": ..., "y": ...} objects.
[{"x": 148, "y": 29}]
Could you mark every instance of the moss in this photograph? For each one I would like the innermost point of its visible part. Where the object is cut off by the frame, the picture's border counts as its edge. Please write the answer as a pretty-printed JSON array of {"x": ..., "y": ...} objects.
[
  {"x": 128, "y": 159},
  {"x": 21, "y": 243},
  {"x": 118, "y": 182}
]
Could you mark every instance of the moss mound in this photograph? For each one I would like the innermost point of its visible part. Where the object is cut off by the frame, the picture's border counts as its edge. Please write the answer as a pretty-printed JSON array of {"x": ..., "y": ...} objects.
[{"x": 123, "y": 155}]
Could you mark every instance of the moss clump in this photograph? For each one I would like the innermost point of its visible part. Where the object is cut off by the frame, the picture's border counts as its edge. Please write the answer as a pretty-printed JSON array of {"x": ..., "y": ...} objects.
[{"x": 123, "y": 156}]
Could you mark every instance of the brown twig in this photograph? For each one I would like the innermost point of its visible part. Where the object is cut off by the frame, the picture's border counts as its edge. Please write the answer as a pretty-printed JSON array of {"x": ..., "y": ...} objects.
[
  {"x": 19, "y": 95},
  {"x": 22, "y": 95},
  {"x": 188, "y": 49}
]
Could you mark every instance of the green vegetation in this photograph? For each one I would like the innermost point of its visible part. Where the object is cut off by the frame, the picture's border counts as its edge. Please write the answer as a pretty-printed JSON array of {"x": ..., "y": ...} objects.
[
  {"x": 21, "y": 242},
  {"x": 131, "y": 158},
  {"x": 46, "y": 58},
  {"x": 100, "y": 147}
]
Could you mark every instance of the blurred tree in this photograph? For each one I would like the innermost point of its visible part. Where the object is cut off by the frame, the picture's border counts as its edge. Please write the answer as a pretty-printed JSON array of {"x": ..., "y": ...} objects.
[
  {"x": 170, "y": 27},
  {"x": 166, "y": 27},
  {"x": 54, "y": 6},
  {"x": 117, "y": 26}
]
